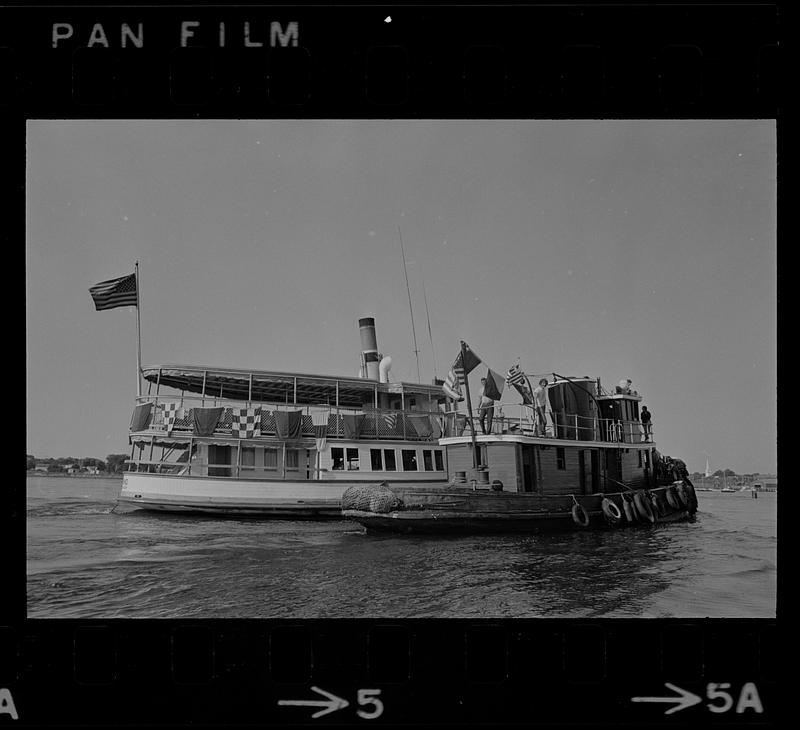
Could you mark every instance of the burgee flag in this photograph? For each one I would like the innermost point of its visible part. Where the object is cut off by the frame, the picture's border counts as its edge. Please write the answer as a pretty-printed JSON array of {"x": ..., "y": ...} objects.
[{"x": 115, "y": 293}]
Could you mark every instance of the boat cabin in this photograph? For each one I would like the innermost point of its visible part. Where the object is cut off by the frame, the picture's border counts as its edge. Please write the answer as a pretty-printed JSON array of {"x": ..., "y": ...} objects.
[
  {"x": 213, "y": 422},
  {"x": 594, "y": 442}
]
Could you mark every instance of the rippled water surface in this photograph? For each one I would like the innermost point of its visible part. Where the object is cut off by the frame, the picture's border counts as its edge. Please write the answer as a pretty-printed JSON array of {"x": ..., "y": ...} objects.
[{"x": 86, "y": 561}]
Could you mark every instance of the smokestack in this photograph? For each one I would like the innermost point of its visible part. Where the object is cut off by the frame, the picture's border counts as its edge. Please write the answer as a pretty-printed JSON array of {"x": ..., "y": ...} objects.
[{"x": 369, "y": 347}]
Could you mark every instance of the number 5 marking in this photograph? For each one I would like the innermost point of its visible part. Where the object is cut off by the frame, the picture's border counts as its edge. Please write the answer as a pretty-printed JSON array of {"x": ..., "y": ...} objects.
[{"x": 369, "y": 697}]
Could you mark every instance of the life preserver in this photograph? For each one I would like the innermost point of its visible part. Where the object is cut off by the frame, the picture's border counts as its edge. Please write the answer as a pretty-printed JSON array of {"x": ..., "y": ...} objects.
[
  {"x": 611, "y": 511},
  {"x": 673, "y": 498},
  {"x": 580, "y": 516},
  {"x": 643, "y": 507},
  {"x": 658, "y": 503},
  {"x": 630, "y": 513},
  {"x": 691, "y": 497}
]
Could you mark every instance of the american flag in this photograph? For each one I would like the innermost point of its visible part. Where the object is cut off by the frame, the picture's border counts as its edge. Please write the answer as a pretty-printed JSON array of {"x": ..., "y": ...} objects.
[
  {"x": 515, "y": 375},
  {"x": 454, "y": 380},
  {"x": 465, "y": 363},
  {"x": 115, "y": 293},
  {"x": 391, "y": 419}
]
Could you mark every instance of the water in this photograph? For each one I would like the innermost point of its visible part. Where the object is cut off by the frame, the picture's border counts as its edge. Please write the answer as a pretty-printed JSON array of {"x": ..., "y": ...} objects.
[{"x": 86, "y": 562}]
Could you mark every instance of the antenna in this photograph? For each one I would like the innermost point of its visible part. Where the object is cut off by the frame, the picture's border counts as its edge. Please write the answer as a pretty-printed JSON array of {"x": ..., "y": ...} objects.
[
  {"x": 428, "y": 315},
  {"x": 413, "y": 330}
]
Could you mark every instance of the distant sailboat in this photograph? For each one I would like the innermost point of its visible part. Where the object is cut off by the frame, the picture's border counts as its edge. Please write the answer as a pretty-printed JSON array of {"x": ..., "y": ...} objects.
[{"x": 708, "y": 471}]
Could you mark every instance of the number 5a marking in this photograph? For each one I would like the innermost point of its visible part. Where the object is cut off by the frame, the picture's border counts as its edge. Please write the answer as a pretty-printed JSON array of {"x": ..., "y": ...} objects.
[{"x": 369, "y": 697}]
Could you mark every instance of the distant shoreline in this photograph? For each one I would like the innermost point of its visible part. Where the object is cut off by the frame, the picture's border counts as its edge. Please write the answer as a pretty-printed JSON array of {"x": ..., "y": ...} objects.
[{"x": 74, "y": 476}]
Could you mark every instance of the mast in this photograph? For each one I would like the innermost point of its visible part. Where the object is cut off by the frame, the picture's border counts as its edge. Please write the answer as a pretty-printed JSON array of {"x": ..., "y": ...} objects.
[
  {"x": 408, "y": 289},
  {"x": 138, "y": 338},
  {"x": 469, "y": 407},
  {"x": 428, "y": 315}
]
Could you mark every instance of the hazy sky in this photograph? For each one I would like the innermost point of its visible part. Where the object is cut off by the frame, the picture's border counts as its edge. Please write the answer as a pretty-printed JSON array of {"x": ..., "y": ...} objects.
[{"x": 640, "y": 249}]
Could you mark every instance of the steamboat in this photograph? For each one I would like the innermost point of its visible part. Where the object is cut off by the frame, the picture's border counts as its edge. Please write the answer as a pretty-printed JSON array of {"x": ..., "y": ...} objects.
[
  {"x": 276, "y": 444},
  {"x": 589, "y": 463}
]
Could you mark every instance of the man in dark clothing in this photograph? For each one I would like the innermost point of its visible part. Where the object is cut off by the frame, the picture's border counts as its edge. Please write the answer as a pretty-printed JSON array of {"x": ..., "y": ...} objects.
[{"x": 645, "y": 418}]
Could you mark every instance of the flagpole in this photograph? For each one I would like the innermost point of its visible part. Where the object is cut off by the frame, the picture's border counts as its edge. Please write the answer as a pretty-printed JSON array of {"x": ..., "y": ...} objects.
[
  {"x": 138, "y": 338},
  {"x": 469, "y": 408}
]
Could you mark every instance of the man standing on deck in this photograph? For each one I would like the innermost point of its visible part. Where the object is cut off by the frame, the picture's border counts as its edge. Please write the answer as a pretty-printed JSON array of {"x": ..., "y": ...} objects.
[
  {"x": 540, "y": 403},
  {"x": 486, "y": 408},
  {"x": 645, "y": 419}
]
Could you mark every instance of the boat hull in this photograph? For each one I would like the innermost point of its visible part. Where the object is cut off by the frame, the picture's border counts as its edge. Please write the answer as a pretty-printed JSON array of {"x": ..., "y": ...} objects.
[
  {"x": 461, "y": 523},
  {"x": 287, "y": 499},
  {"x": 462, "y": 511}
]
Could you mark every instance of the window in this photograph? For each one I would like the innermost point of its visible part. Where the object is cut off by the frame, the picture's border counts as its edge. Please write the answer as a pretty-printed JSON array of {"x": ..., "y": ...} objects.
[
  {"x": 292, "y": 459},
  {"x": 640, "y": 458},
  {"x": 439, "y": 460},
  {"x": 352, "y": 459},
  {"x": 409, "y": 459},
  {"x": 270, "y": 458},
  {"x": 375, "y": 460},
  {"x": 390, "y": 460},
  {"x": 248, "y": 457},
  {"x": 338, "y": 459},
  {"x": 427, "y": 460},
  {"x": 647, "y": 458},
  {"x": 561, "y": 458}
]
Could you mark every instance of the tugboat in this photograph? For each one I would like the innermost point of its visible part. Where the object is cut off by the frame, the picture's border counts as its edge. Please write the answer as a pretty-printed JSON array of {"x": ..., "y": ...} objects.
[{"x": 591, "y": 466}]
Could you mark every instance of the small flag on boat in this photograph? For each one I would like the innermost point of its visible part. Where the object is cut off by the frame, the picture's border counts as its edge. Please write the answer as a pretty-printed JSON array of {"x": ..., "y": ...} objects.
[
  {"x": 246, "y": 422},
  {"x": 519, "y": 381},
  {"x": 515, "y": 375},
  {"x": 115, "y": 293},
  {"x": 451, "y": 385},
  {"x": 391, "y": 419},
  {"x": 465, "y": 363},
  {"x": 169, "y": 414},
  {"x": 494, "y": 385}
]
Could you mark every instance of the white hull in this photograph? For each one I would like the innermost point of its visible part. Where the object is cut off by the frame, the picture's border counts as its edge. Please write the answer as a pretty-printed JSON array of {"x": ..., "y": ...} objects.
[{"x": 258, "y": 498}]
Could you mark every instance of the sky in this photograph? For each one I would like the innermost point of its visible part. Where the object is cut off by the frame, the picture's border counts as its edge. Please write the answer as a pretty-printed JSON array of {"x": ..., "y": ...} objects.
[{"x": 639, "y": 249}]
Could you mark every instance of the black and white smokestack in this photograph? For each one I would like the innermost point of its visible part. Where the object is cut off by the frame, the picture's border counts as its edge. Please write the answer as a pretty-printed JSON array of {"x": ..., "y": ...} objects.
[{"x": 369, "y": 347}]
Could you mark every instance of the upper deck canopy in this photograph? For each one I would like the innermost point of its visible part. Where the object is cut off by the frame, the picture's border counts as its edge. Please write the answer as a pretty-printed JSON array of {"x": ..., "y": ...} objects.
[{"x": 269, "y": 386}]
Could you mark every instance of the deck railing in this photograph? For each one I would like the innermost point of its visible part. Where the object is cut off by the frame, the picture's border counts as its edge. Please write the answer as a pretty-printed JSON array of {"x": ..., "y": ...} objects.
[
  {"x": 396, "y": 425},
  {"x": 569, "y": 426},
  {"x": 375, "y": 423}
]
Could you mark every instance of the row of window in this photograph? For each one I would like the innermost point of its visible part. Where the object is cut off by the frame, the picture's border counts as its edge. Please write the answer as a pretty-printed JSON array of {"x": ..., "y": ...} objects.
[
  {"x": 270, "y": 458},
  {"x": 345, "y": 459},
  {"x": 561, "y": 457}
]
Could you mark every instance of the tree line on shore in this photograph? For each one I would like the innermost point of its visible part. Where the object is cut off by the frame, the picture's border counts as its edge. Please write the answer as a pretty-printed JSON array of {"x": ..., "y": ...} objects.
[{"x": 113, "y": 464}]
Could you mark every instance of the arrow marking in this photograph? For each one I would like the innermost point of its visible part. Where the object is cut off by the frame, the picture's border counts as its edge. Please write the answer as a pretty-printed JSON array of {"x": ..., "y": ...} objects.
[
  {"x": 686, "y": 699},
  {"x": 332, "y": 704}
]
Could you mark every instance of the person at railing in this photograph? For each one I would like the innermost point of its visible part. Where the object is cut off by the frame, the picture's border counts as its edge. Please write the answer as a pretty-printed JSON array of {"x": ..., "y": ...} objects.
[
  {"x": 540, "y": 404},
  {"x": 645, "y": 419},
  {"x": 486, "y": 409}
]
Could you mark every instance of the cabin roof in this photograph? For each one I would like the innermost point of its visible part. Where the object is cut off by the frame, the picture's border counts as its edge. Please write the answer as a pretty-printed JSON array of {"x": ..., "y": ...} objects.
[{"x": 234, "y": 384}]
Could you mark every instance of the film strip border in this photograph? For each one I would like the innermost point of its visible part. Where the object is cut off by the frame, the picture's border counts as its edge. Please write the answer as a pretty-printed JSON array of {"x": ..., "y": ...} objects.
[
  {"x": 236, "y": 672},
  {"x": 572, "y": 61}
]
